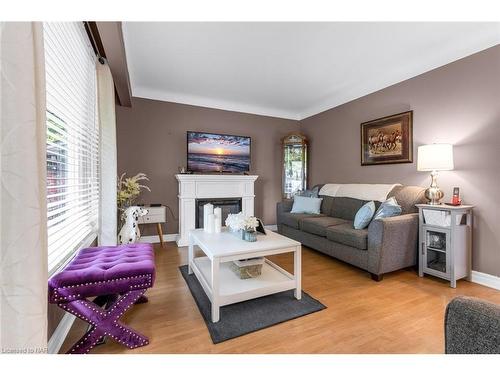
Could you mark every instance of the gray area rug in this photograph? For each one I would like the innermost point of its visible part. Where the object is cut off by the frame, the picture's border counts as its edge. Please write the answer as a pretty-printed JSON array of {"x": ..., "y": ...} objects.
[{"x": 241, "y": 318}]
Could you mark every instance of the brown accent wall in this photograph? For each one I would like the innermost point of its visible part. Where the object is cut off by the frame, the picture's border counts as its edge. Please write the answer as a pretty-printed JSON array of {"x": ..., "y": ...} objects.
[
  {"x": 151, "y": 138},
  {"x": 458, "y": 103}
]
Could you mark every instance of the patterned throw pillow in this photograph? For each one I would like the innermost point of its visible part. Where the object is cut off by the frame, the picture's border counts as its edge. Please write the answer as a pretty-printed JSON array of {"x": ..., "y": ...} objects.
[
  {"x": 312, "y": 193},
  {"x": 388, "y": 208},
  {"x": 364, "y": 215}
]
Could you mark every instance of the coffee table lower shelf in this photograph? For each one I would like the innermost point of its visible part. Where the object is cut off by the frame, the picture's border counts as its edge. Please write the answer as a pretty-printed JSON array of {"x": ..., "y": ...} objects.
[{"x": 232, "y": 289}]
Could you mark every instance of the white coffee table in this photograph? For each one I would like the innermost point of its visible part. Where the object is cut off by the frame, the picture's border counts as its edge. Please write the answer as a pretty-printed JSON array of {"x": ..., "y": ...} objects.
[{"x": 221, "y": 284}]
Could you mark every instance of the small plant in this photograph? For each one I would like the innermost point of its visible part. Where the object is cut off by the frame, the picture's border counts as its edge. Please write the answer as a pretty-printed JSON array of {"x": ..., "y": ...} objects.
[
  {"x": 251, "y": 223},
  {"x": 129, "y": 189},
  {"x": 238, "y": 222}
]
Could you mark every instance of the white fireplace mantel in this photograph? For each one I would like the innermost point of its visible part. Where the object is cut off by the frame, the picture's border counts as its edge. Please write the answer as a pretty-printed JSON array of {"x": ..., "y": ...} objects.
[{"x": 197, "y": 186}]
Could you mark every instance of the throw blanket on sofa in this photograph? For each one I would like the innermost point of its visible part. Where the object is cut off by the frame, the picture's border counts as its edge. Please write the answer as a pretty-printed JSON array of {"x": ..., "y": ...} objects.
[{"x": 366, "y": 192}]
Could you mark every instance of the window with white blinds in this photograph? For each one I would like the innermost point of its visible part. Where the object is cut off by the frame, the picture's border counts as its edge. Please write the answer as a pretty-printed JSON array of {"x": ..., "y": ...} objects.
[{"x": 72, "y": 140}]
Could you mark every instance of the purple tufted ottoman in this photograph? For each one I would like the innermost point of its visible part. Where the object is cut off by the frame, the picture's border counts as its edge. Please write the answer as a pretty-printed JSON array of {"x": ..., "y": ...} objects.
[{"x": 124, "y": 271}]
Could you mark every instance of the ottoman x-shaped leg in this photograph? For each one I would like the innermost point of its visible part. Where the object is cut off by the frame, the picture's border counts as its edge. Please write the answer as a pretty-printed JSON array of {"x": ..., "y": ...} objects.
[{"x": 105, "y": 322}]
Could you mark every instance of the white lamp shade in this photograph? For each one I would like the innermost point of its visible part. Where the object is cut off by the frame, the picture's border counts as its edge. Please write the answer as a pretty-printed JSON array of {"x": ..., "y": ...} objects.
[{"x": 435, "y": 157}]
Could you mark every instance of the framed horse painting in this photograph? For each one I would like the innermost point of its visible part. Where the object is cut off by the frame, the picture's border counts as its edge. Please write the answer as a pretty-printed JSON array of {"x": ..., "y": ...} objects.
[{"x": 387, "y": 140}]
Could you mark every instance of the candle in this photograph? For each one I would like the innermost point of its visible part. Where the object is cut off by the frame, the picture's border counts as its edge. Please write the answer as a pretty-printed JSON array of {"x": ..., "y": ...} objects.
[
  {"x": 218, "y": 219},
  {"x": 209, "y": 227},
  {"x": 207, "y": 209}
]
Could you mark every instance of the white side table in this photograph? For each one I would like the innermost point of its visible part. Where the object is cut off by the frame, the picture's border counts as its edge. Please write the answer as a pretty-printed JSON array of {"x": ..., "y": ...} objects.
[
  {"x": 445, "y": 239},
  {"x": 156, "y": 215}
]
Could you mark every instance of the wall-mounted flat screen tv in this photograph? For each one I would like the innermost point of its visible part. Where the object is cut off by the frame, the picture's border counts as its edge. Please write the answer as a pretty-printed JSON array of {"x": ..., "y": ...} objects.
[{"x": 209, "y": 153}]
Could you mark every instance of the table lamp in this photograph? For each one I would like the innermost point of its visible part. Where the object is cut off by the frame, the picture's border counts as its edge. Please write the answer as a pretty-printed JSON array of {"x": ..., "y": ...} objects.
[{"x": 435, "y": 157}]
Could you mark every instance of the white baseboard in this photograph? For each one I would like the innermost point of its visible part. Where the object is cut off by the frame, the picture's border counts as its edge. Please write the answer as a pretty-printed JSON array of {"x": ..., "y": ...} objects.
[
  {"x": 485, "y": 279},
  {"x": 59, "y": 335},
  {"x": 155, "y": 239}
]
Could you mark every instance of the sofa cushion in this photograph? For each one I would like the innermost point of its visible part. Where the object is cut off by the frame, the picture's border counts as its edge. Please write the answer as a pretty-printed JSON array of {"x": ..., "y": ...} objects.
[
  {"x": 346, "y": 208},
  {"x": 326, "y": 204},
  {"x": 292, "y": 220},
  {"x": 347, "y": 235},
  {"x": 408, "y": 197},
  {"x": 318, "y": 225}
]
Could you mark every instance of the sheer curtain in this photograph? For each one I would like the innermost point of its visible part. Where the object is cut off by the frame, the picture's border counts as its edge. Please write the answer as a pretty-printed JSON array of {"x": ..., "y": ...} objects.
[
  {"x": 23, "y": 219},
  {"x": 108, "y": 163}
]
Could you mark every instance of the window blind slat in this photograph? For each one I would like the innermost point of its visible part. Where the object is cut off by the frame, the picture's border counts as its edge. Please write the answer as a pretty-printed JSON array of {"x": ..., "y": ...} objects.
[
  {"x": 60, "y": 256},
  {"x": 71, "y": 206},
  {"x": 67, "y": 112},
  {"x": 67, "y": 186},
  {"x": 67, "y": 206},
  {"x": 82, "y": 196},
  {"x": 80, "y": 221},
  {"x": 61, "y": 152},
  {"x": 77, "y": 220},
  {"x": 72, "y": 139},
  {"x": 69, "y": 46},
  {"x": 79, "y": 178},
  {"x": 61, "y": 129}
]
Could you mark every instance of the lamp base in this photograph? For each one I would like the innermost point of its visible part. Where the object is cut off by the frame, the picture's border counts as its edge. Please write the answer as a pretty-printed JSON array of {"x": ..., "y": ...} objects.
[{"x": 433, "y": 193}]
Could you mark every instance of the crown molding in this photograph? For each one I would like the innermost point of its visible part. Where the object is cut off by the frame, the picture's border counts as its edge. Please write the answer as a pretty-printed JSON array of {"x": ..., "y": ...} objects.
[
  {"x": 450, "y": 55},
  {"x": 355, "y": 92},
  {"x": 166, "y": 96}
]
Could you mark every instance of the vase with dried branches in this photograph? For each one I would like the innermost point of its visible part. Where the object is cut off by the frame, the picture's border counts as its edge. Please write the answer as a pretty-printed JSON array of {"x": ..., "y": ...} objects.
[{"x": 129, "y": 189}]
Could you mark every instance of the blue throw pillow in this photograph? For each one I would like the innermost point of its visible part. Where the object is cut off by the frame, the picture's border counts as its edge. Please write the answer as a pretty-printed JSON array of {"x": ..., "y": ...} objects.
[
  {"x": 364, "y": 215},
  {"x": 306, "y": 205},
  {"x": 388, "y": 208}
]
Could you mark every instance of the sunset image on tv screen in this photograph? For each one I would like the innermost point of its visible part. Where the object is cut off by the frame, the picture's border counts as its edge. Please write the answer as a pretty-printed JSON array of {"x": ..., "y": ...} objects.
[{"x": 218, "y": 153}]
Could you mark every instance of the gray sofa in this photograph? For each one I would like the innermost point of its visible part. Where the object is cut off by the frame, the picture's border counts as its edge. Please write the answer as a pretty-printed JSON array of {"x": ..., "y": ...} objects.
[
  {"x": 386, "y": 245},
  {"x": 472, "y": 326}
]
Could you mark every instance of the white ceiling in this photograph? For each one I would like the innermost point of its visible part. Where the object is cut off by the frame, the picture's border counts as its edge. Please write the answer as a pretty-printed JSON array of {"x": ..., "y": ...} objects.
[{"x": 289, "y": 70}]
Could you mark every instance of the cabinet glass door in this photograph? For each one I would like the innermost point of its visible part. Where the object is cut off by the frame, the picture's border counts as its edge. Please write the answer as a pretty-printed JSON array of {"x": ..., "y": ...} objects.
[
  {"x": 294, "y": 164},
  {"x": 436, "y": 254}
]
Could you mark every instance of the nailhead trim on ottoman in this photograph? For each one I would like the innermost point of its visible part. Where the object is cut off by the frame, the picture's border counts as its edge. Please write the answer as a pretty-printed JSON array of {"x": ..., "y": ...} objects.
[{"x": 126, "y": 270}]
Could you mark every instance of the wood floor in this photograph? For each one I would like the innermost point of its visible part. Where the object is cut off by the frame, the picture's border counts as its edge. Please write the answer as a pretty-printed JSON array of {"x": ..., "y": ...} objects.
[{"x": 401, "y": 314}]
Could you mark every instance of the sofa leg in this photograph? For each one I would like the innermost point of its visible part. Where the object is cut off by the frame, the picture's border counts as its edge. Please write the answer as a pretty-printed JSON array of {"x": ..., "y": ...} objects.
[{"x": 376, "y": 277}]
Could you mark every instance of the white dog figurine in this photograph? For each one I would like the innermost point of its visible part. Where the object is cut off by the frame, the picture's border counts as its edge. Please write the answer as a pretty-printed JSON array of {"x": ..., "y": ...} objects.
[{"x": 130, "y": 232}]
